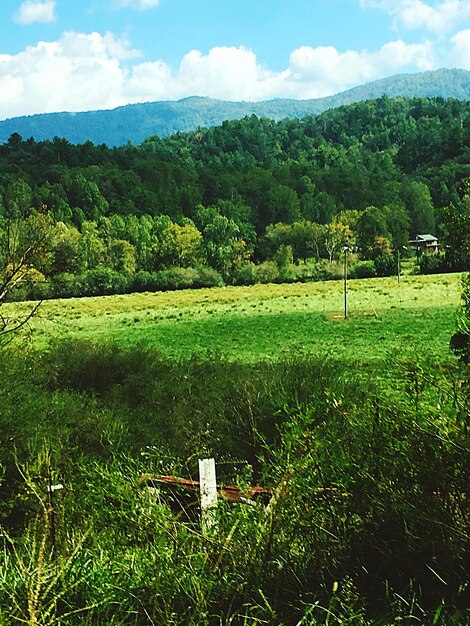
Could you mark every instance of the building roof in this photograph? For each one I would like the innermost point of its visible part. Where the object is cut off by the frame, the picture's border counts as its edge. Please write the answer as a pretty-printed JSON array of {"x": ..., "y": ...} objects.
[{"x": 426, "y": 238}]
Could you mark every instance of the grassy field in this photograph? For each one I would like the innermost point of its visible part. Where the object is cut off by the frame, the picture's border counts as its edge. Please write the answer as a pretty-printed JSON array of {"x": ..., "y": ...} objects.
[
  {"x": 367, "y": 456},
  {"x": 271, "y": 322}
]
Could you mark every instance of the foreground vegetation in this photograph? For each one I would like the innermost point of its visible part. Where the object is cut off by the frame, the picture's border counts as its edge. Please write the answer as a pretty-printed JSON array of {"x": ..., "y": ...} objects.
[{"x": 369, "y": 520}]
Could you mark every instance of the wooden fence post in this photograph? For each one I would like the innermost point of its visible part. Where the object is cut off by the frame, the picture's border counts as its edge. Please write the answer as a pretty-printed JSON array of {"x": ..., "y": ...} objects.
[{"x": 208, "y": 488}]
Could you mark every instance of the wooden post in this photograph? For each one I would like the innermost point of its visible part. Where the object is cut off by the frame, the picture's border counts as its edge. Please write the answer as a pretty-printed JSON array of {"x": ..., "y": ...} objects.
[
  {"x": 50, "y": 490},
  {"x": 208, "y": 487}
]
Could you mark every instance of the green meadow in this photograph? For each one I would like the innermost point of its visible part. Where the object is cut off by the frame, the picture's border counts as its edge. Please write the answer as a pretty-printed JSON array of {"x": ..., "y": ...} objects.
[
  {"x": 270, "y": 322},
  {"x": 358, "y": 425}
]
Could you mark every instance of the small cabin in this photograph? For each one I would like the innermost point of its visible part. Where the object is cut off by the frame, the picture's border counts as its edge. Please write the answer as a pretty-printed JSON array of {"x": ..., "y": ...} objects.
[{"x": 424, "y": 243}]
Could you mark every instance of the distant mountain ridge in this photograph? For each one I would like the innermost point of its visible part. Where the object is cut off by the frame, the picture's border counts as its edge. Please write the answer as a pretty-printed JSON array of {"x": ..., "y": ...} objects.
[{"x": 135, "y": 122}]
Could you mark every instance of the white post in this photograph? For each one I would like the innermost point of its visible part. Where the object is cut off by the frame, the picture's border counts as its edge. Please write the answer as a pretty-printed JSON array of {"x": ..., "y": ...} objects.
[{"x": 208, "y": 488}]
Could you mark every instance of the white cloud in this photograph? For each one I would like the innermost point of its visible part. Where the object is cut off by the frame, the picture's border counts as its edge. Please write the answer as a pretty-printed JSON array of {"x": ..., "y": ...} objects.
[
  {"x": 231, "y": 73},
  {"x": 416, "y": 14},
  {"x": 76, "y": 73},
  {"x": 81, "y": 72},
  {"x": 140, "y": 5},
  {"x": 32, "y": 11},
  {"x": 460, "y": 55},
  {"x": 323, "y": 71}
]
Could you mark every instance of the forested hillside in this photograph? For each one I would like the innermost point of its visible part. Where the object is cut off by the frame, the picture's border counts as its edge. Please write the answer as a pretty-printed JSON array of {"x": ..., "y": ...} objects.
[
  {"x": 134, "y": 123},
  {"x": 247, "y": 201}
]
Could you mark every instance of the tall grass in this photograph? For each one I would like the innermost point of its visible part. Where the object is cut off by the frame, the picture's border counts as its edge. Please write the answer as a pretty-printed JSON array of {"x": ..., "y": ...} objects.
[{"x": 369, "y": 523}]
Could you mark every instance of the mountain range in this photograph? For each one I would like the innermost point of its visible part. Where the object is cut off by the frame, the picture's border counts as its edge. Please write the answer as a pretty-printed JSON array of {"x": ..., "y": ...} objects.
[{"x": 135, "y": 122}]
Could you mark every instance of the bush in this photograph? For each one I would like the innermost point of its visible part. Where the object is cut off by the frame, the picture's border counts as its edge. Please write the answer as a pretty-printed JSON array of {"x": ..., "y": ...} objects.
[
  {"x": 207, "y": 277},
  {"x": 386, "y": 265},
  {"x": 66, "y": 285},
  {"x": 363, "y": 269},
  {"x": 103, "y": 281},
  {"x": 143, "y": 281},
  {"x": 246, "y": 275},
  {"x": 175, "y": 278},
  {"x": 318, "y": 270},
  {"x": 432, "y": 263},
  {"x": 369, "y": 513},
  {"x": 266, "y": 272}
]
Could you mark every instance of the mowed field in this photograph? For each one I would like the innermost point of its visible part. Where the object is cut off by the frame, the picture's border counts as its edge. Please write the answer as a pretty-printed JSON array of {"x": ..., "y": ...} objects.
[{"x": 386, "y": 319}]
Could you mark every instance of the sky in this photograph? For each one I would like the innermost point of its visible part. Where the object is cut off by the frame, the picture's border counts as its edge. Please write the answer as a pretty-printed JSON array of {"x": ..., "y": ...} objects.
[{"x": 80, "y": 55}]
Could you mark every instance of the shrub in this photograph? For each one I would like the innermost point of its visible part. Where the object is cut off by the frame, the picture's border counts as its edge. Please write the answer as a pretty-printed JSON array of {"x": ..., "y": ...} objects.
[
  {"x": 66, "y": 285},
  {"x": 363, "y": 269},
  {"x": 104, "y": 281},
  {"x": 143, "y": 281},
  {"x": 266, "y": 272},
  {"x": 432, "y": 263},
  {"x": 175, "y": 278},
  {"x": 207, "y": 277},
  {"x": 246, "y": 275},
  {"x": 385, "y": 265},
  {"x": 370, "y": 500}
]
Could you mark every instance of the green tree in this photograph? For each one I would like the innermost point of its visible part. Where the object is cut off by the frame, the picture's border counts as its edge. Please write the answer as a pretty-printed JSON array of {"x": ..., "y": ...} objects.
[
  {"x": 371, "y": 224},
  {"x": 17, "y": 199},
  {"x": 86, "y": 195},
  {"x": 24, "y": 244},
  {"x": 456, "y": 227},
  {"x": 220, "y": 236},
  {"x": 305, "y": 239},
  {"x": 122, "y": 256},
  {"x": 67, "y": 252},
  {"x": 284, "y": 259},
  {"x": 94, "y": 250},
  {"x": 181, "y": 246},
  {"x": 398, "y": 225},
  {"x": 418, "y": 202}
]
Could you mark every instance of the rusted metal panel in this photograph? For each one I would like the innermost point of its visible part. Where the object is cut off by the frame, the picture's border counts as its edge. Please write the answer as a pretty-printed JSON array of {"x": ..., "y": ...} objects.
[{"x": 230, "y": 493}]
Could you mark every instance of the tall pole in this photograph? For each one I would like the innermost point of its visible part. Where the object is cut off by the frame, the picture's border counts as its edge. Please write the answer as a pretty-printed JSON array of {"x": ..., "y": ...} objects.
[
  {"x": 345, "y": 283},
  {"x": 398, "y": 264}
]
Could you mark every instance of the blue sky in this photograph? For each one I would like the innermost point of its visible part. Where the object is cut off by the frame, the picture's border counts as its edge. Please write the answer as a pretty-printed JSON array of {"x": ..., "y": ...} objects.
[{"x": 77, "y": 55}]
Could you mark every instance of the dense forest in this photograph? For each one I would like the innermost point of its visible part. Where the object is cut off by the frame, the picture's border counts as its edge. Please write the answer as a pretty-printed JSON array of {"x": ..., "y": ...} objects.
[
  {"x": 252, "y": 200},
  {"x": 135, "y": 122}
]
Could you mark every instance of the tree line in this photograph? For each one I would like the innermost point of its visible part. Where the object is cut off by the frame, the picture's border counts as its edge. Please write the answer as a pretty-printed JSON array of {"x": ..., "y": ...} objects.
[{"x": 248, "y": 201}]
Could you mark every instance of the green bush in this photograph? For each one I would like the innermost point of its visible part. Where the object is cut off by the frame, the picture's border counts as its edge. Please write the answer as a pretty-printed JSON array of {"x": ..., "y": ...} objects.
[
  {"x": 66, "y": 285},
  {"x": 432, "y": 263},
  {"x": 143, "y": 281},
  {"x": 386, "y": 265},
  {"x": 207, "y": 277},
  {"x": 363, "y": 269},
  {"x": 246, "y": 275},
  {"x": 266, "y": 272},
  {"x": 104, "y": 281}
]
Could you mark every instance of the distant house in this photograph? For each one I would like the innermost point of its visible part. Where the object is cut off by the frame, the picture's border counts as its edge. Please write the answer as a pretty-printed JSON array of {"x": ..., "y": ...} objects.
[{"x": 424, "y": 243}]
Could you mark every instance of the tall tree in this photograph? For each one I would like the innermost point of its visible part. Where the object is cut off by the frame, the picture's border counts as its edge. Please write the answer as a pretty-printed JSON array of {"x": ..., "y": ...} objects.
[
  {"x": 456, "y": 226},
  {"x": 24, "y": 244}
]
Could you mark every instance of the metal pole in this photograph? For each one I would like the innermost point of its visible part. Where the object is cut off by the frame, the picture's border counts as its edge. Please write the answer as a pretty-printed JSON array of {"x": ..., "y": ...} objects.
[{"x": 398, "y": 265}]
